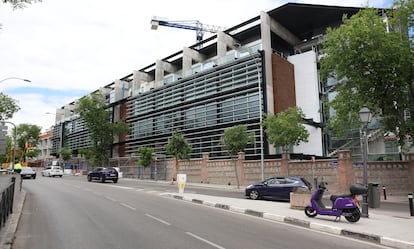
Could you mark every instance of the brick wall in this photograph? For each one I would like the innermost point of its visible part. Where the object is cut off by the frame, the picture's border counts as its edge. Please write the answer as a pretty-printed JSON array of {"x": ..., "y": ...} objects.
[{"x": 397, "y": 176}]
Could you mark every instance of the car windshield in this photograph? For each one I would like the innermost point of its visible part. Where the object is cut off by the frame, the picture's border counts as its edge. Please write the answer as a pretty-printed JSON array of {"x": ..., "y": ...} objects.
[{"x": 26, "y": 169}]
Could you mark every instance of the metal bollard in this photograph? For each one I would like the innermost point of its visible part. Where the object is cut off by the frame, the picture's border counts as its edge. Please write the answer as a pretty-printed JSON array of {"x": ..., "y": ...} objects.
[
  {"x": 410, "y": 201},
  {"x": 384, "y": 190}
]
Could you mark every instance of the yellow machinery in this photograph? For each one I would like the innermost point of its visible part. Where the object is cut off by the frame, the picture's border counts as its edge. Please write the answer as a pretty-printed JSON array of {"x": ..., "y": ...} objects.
[{"x": 22, "y": 160}]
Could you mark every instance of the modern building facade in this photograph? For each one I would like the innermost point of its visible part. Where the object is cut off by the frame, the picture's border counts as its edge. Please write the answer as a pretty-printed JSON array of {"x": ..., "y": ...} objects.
[{"x": 263, "y": 65}]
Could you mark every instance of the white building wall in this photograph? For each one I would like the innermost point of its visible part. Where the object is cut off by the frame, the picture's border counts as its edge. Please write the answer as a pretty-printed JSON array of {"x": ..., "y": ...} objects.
[{"x": 307, "y": 98}]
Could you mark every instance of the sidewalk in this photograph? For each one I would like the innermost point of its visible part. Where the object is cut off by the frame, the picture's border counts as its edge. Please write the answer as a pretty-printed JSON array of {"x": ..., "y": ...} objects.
[
  {"x": 8, "y": 231},
  {"x": 393, "y": 229}
]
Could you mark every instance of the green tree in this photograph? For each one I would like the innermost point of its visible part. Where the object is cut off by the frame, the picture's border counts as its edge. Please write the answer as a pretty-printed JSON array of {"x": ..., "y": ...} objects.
[
  {"x": 235, "y": 139},
  {"x": 145, "y": 156},
  {"x": 374, "y": 66},
  {"x": 65, "y": 154},
  {"x": 97, "y": 116},
  {"x": 8, "y": 107},
  {"x": 27, "y": 140},
  {"x": 19, "y": 4},
  {"x": 286, "y": 128},
  {"x": 178, "y": 147}
]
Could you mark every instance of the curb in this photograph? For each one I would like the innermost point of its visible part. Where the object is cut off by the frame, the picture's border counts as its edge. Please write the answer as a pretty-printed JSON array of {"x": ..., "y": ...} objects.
[
  {"x": 372, "y": 238},
  {"x": 11, "y": 224}
]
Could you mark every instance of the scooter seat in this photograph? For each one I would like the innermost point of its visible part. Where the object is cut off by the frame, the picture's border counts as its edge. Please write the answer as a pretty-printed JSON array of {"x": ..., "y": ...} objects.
[{"x": 334, "y": 197}]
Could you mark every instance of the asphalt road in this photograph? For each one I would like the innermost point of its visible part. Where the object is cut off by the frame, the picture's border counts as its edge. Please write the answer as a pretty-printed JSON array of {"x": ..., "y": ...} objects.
[
  {"x": 206, "y": 189},
  {"x": 63, "y": 213}
]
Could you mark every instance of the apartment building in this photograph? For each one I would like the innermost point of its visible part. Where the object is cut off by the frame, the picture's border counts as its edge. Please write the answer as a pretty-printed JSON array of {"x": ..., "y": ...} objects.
[
  {"x": 263, "y": 65},
  {"x": 45, "y": 147}
]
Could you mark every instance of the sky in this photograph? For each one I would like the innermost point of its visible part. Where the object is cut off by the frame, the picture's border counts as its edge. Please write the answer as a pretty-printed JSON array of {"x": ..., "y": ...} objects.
[{"x": 68, "y": 49}]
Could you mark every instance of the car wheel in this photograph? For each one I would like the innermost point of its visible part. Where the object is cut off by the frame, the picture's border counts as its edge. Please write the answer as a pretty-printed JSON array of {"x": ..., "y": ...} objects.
[
  {"x": 254, "y": 194},
  {"x": 89, "y": 178},
  {"x": 34, "y": 177},
  {"x": 61, "y": 176},
  {"x": 115, "y": 180},
  {"x": 102, "y": 178}
]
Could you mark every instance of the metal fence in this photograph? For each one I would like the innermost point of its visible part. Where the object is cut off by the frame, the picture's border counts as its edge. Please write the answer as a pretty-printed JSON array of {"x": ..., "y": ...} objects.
[{"x": 7, "y": 198}]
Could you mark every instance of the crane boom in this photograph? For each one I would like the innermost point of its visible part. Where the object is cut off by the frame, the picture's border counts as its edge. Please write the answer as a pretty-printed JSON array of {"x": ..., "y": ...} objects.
[{"x": 190, "y": 25}]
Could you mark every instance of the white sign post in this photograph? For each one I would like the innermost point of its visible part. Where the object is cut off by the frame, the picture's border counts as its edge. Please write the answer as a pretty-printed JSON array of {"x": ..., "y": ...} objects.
[{"x": 181, "y": 180}]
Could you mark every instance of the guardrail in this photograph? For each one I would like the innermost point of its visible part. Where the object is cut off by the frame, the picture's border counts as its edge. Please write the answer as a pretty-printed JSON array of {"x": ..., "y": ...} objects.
[{"x": 6, "y": 200}]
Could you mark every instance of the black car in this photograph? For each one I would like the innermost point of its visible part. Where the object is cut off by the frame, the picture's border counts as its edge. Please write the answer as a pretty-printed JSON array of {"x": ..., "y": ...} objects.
[
  {"x": 277, "y": 187},
  {"x": 103, "y": 174},
  {"x": 28, "y": 172}
]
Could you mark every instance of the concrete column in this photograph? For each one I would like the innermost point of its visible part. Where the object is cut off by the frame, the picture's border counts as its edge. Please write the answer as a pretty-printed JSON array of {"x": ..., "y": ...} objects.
[
  {"x": 240, "y": 169},
  {"x": 190, "y": 55},
  {"x": 160, "y": 68},
  {"x": 267, "y": 47},
  {"x": 223, "y": 42},
  {"x": 204, "y": 173},
  {"x": 345, "y": 172},
  {"x": 284, "y": 167},
  {"x": 159, "y": 73},
  {"x": 410, "y": 159},
  {"x": 138, "y": 79}
]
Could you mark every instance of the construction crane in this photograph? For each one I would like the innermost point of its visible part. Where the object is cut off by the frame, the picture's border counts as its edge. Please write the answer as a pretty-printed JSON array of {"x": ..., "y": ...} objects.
[{"x": 190, "y": 25}]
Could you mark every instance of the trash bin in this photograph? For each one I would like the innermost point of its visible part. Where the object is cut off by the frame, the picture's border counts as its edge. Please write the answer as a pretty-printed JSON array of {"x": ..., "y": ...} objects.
[{"x": 373, "y": 195}]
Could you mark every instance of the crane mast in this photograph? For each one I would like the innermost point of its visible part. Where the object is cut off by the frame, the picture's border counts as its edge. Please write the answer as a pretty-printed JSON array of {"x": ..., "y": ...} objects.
[{"x": 189, "y": 25}]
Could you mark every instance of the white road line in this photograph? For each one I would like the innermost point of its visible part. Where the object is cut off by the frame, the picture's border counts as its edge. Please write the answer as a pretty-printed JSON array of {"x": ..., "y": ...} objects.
[
  {"x": 110, "y": 198},
  {"x": 121, "y": 187},
  {"x": 158, "y": 219},
  {"x": 204, "y": 240},
  {"x": 127, "y": 206}
]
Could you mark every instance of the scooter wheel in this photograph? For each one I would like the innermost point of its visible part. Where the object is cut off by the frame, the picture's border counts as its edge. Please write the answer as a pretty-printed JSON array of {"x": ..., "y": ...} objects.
[
  {"x": 310, "y": 212},
  {"x": 354, "y": 216}
]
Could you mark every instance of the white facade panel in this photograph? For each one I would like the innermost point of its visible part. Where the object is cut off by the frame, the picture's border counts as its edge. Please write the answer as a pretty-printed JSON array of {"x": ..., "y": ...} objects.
[{"x": 307, "y": 98}]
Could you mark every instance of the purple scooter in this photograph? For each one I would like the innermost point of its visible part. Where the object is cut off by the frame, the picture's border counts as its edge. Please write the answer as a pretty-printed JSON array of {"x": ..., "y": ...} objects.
[{"x": 346, "y": 204}]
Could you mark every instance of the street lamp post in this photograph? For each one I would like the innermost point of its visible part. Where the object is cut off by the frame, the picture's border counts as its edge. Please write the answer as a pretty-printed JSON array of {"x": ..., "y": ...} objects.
[
  {"x": 14, "y": 143},
  {"x": 365, "y": 118},
  {"x": 154, "y": 157},
  {"x": 14, "y": 78}
]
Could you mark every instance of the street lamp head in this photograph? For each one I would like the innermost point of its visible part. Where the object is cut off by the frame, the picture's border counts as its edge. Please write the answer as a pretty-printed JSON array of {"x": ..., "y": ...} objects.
[
  {"x": 365, "y": 115},
  {"x": 14, "y": 78}
]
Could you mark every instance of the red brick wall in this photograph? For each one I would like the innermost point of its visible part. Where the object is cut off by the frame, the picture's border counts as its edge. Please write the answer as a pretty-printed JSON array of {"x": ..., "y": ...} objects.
[{"x": 283, "y": 84}]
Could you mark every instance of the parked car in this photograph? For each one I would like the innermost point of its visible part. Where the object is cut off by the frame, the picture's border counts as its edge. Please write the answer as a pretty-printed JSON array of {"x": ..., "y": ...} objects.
[
  {"x": 28, "y": 172},
  {"x": 103, "y": 174},
  {"x": 52, "y": 171},
  {"x": 277, "y": 187}
]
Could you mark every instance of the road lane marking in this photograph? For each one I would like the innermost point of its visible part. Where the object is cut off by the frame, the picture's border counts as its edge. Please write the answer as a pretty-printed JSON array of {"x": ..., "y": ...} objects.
[
  {"x": 121, "y": 187},
  {"x": 158, "y": 219},
  {"x": 127, "y": 206},
  {"x": 204, "y": 240},
  {"x": 110, "y": 198}
]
